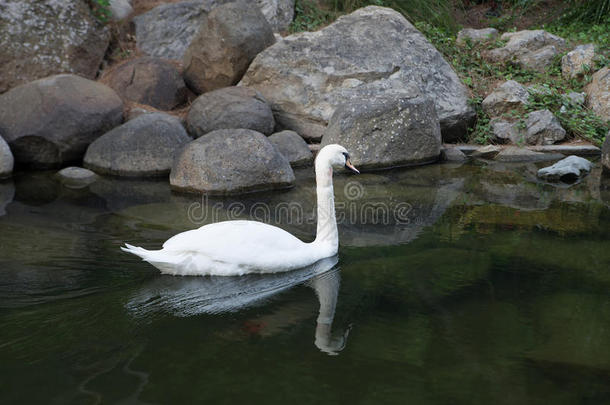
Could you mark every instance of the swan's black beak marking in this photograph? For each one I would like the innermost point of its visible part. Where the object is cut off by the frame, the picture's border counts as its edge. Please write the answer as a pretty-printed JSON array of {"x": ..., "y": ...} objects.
[{"x": 349, "y": 165}]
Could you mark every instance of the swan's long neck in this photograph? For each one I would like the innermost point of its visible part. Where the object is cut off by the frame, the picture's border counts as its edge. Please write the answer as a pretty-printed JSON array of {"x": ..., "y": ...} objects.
[{"x": 327, "y": 222}]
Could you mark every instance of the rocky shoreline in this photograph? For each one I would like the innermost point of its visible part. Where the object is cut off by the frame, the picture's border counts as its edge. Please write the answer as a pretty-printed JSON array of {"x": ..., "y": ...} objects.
[{"x": 220, "y": 104}]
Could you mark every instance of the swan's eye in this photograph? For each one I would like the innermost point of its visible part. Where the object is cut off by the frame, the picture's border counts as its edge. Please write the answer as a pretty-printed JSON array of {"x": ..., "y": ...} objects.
[{"x": 346, "y": 155}]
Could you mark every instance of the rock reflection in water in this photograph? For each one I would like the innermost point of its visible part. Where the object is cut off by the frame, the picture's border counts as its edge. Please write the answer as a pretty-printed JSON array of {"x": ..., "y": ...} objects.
[
  {"x": 604, "y": 188},
  {"x": 7, "y": 193},
  {"x": 188, "y": 296}
]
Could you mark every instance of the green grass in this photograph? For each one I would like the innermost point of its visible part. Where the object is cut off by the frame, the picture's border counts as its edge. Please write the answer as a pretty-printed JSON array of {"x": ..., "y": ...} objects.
[
  {"x": 589, "y": 11},
  {"x": 309, "y": 16},
  {"x": 313, "y": 14}
]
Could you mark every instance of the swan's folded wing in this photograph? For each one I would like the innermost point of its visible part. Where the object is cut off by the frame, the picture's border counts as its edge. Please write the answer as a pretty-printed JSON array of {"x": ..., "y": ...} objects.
[{"x": 236, "y": 240}]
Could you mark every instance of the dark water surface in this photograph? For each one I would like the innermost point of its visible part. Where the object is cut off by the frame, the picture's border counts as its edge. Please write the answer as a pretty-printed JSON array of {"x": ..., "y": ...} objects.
[{"x": 453, "y": 285}]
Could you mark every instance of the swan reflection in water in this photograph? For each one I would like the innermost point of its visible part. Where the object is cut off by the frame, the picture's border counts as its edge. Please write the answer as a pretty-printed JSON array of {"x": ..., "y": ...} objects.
[{"x": 187, "y": 296}]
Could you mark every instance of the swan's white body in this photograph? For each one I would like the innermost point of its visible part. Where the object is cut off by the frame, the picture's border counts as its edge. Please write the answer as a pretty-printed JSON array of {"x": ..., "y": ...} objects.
[{"x": 240, "y": 247}]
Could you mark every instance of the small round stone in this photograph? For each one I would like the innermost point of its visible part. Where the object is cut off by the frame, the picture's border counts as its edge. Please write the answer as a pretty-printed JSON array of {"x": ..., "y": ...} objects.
[{"x": 76, "y": 177}]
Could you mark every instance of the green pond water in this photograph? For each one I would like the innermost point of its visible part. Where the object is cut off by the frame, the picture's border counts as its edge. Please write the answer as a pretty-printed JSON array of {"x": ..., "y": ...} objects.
[{"x": 453, "y": 285}]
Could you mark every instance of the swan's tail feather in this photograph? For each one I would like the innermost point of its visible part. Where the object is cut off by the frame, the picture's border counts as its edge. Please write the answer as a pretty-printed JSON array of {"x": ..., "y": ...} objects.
[
  {"x": 168, "y": 262},
  {"x": 136, "y": 250},
  {"x": 148, "y": 255}
]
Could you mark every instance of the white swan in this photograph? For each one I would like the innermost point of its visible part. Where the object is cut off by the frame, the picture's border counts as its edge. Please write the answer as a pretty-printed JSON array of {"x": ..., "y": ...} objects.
[{"x": 240, "y": 247}]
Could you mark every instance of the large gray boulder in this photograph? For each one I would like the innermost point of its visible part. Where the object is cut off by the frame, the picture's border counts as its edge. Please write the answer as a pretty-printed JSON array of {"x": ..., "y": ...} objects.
[
  {"x": 509, "y": 96},
  {"x": 573, "y": 63},
  {"x": 44, "y": 37},
  {"x": 567, "y": 170},
  {"x": 51, "y": 121},
  {"x": 230, "y": 107},
  {"x": 306, "y": 76},
  {"x": 6, "y": 159},
  {"x": 144, "y": 146},
  {"x": 598, "y": 93},
  {"x": 387, "y": 131},
  {"x": 167, "y": 30},
  {"x": 293, "y": 147},
  {"x": 228, "y": 40},
  {"x": 151, "y": 81},
  {"x": 606, "y": 153},
  {"x": 230, "y": 161},
  {"x": 530, "y": 49}
]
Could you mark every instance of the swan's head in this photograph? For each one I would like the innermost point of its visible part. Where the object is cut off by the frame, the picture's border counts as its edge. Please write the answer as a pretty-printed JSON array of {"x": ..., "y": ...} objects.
[{"x": 335, "y": 155}]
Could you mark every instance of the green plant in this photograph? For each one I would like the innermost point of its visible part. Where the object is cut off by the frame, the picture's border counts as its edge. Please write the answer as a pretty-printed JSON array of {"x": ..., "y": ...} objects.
[
  {"x": 101, "y": 9},
  {"x": 482, "y": 132},
  {"x": 308, "y": 16}
]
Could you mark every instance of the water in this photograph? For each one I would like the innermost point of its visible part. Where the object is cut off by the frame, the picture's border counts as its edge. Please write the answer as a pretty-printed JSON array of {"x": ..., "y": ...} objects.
[{"x": 453, "y": 285}]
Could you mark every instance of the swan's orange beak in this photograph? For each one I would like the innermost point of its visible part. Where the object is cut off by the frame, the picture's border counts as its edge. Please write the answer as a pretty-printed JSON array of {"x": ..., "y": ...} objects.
[{"x": 350, "y": 166}]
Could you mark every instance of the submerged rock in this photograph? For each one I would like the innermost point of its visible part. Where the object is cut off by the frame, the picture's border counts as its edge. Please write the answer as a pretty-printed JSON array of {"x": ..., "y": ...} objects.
[
  {"x": 476, "y": 36},
  {"x": 228, "y": 40},
  {"x": 567, "y": 170},
  {"x": 395, "y": 129},
  {"x": 513, "y": 154},
  {"x": 574, "y": 62},
  {"x": 150, "y": 81},
  {"x": 44, "y": 37},
  {"x": 230, "y": 107},
  {"x": 509, "y": 96},
  {"x": 576, "y": 325},
  {"x": 51, "y": 121},
  {"x": 144, "y": 146},
  {"x": 293, "y": 147},
  {"x": 76, "y": 177},
  {"x": 306, "y": 76},
  {"x": 598, "y": 93},
  {"x": 230, "y": 161},
  {"x": 6, "y": 159},
  {"x": 531, "y": 49}
]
